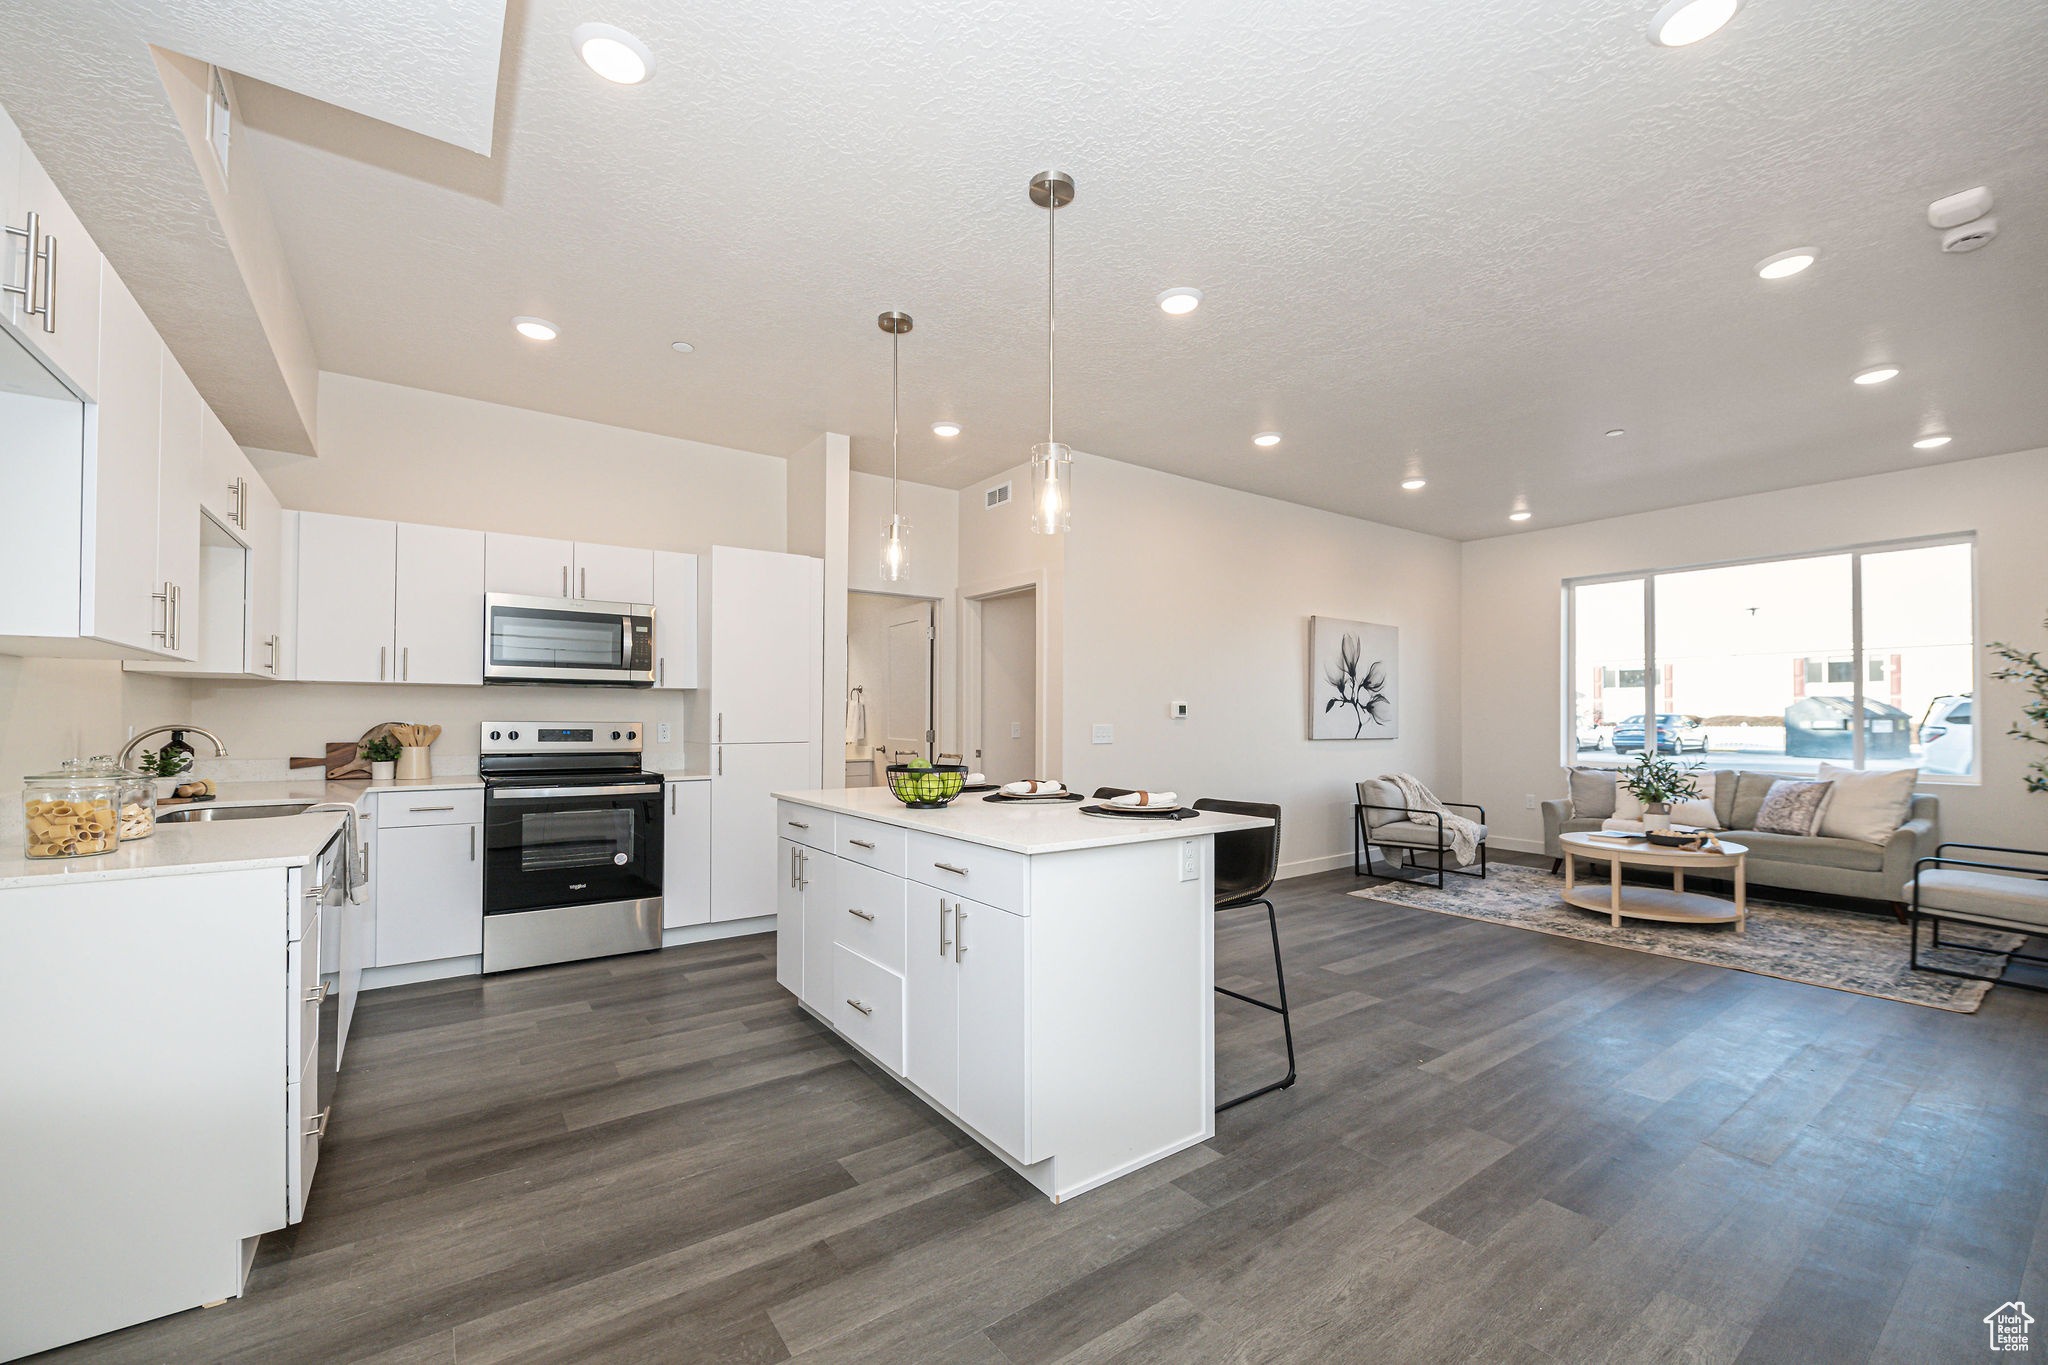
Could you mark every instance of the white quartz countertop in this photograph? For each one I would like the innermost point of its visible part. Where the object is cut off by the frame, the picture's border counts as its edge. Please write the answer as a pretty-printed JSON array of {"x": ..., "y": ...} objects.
[
  {"x": 1020, "y": 828},
  {"x": 202, "y": 846}
]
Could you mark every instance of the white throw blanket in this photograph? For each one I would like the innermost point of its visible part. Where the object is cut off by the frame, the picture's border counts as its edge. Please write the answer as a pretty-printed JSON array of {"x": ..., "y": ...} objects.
[{"x": 1462, "y": 834}]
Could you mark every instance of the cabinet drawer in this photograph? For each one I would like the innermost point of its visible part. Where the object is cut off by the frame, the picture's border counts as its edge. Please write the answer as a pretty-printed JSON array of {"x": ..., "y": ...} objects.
[
  {"x": 868, "y": 913},
  {"x": 398, "y": 810},
  {"x": 867, "y": 841},
  {"x": 993, "y": 876},
  {"x": 805, "y": 825},
  {"x": 867, "y": 1006}
]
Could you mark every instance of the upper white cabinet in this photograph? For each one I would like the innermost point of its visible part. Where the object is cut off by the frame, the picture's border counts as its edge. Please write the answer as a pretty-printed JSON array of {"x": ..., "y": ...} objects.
[
  {"x": 613, "y": 573},
  {"x": 528, "y": 566},
  {"x": 766, "y": 646},
  {"x": 125, "y": 603},
  {"x": 347, "y": 586},
  {"x": 440, "y": 604},
  {"x": 10, "y": 205},
  {"x": 54, "y": 281},
  {"x": 180, "y": 468},
  {"x": 675, "y": 619}
]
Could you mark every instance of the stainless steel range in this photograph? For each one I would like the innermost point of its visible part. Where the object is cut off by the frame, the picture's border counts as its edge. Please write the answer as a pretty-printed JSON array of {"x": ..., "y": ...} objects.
[{"x": 572, "y": 842}]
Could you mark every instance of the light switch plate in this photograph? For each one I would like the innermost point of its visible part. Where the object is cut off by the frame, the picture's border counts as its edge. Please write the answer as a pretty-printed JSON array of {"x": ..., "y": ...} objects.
[
  {"x": 1105, "y": 734},
  {"x": 661, "y": 733},
  {"x": 1016, "y": 729}
]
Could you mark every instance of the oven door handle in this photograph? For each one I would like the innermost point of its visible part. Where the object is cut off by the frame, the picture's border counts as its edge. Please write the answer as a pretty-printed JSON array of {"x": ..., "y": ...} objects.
[{"x": 536, "y": 793}]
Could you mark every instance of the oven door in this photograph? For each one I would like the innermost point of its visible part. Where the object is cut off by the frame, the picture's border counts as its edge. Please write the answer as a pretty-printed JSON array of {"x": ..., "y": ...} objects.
[
  {"x": 551, "y": 846},
  {"x": 558, "y": 640}
]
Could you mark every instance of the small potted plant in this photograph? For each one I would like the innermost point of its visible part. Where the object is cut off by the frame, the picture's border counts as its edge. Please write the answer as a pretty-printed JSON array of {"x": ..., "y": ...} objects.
[
  {"x": 382, "y": 752},
  {"x": 163, "y": 766},
  {"x": 1657, "y": 782}
]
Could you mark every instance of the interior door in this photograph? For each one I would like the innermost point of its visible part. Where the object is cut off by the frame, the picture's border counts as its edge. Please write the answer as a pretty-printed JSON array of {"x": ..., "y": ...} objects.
[
  {"x": 743, "y": 822},
  {"x": 910, "y": 683},
  {"x": 931, "y": 998},
  {"x": 767, "y": 647},
  {"x": 440, "y": 605},
  {"x": 993, "y": 948}
]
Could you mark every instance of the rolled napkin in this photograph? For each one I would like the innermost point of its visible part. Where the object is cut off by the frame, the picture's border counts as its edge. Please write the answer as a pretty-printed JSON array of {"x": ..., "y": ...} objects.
[
  {"x": 1143, "y": 799},
  {"x": 976, "y": 779},
  {"x": 1031, "y": 788}
]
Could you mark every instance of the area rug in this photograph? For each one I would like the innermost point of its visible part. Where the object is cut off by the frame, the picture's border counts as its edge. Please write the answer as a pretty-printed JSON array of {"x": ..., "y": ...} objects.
[{"x": 1842, "y": 950}]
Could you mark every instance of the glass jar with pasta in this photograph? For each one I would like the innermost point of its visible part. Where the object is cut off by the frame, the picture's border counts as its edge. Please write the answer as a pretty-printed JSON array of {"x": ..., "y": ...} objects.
[
  {"x": 71, "y": 813},
  {"x": 135, "y": 802}
]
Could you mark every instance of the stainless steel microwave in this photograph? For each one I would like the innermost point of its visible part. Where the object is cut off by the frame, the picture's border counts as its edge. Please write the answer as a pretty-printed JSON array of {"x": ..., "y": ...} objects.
[{"x": 567, "y": 640}]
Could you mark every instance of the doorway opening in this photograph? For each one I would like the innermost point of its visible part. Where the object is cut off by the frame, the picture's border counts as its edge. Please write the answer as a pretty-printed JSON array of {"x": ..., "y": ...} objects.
[
  {"x": 889, "y": 645},
  {"x": 1007, "y": 707}
]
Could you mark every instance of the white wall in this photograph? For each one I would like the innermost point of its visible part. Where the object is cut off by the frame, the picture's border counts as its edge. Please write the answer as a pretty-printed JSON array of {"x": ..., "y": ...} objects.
[
  {"x": 54, "y": 709},
  {"x": 998, "y": 552},
  {"x": 1514, "y": 626},
  {"x": 1009, "y": 687},
  {"x": 1179, "y": 590}
]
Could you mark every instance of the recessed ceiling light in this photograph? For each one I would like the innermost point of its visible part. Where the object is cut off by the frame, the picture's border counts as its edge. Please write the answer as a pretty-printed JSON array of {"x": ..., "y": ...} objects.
[
  {"x": 1878, "y": 375},
  {"x": 613, "y": 53},
  {"x": 1266, "y": 438},
  {"x": 1412, "y": 484},
  {"x": 1687, "y": 21},
  {"x": 536, "y": 329},
  {"x": 1177, "y": 301},
  {"x": 1616, "y": 431},
  {"x": 1785, "y": 263},
  {"x": 681, "y": 347},
  {"x": 945, "y": 428},
  {"x": 1932, "y": 442},
  {"x": 1522, "y": 515}
]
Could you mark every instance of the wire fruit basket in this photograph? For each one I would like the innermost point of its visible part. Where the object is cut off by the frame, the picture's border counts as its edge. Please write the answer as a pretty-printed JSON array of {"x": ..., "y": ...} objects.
[{"x": 926, "y": 788}]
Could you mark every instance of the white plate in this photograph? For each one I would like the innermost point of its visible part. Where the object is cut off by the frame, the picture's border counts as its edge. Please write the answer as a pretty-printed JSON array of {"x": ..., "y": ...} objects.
[{"x": 1111, "y": 805}]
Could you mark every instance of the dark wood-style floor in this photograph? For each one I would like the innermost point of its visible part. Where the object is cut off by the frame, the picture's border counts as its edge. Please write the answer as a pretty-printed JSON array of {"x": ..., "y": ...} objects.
[{"x": 1503, "y": 1147}]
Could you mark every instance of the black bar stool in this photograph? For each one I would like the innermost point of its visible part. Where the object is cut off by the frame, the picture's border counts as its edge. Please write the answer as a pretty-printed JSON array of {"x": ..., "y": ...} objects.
[{"x": 1247, "y": 861}]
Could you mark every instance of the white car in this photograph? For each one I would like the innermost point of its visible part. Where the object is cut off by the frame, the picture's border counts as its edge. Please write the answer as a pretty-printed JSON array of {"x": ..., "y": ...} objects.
[{"x": 1947, "y": 741}]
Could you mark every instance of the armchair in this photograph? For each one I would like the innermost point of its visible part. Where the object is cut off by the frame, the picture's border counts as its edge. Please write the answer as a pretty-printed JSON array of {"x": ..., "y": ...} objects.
[{"x": 1382, "y": 817}]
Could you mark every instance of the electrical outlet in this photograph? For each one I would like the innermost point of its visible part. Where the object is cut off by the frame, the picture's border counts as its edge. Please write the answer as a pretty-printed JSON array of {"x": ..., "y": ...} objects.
[
  {"x": 1190, "y": 860},
  {"x": 1016, "y": 729},
  {"x": 1105, "y": 734},
  {"x": 661, "y": 733},
  {"x": 1529, "y": 801}
]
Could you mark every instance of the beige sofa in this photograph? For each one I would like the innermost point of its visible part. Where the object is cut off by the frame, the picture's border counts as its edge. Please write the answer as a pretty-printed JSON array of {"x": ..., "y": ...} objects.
[{"x": 1841, "y": 867}]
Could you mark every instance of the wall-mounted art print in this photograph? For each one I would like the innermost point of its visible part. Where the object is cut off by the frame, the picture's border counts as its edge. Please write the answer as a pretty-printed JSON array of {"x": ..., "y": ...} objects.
[{"x": 1353, "y": 666}]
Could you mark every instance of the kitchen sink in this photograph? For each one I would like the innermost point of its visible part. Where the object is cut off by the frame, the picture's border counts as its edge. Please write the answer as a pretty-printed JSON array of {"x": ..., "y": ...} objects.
[{"x": 183, "y": 815}]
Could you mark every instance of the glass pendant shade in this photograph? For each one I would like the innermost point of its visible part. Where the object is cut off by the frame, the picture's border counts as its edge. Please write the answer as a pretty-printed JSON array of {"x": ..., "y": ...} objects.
[
  {"x": 1052, "y": 488},
  {"x": 895, "y": 548}
]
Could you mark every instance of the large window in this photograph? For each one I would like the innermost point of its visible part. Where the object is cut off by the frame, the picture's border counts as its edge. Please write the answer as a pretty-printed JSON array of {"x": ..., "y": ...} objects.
[{"x": 1862, "y": 657}]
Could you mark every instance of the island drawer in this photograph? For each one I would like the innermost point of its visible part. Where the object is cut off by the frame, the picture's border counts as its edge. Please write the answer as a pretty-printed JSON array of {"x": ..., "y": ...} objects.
[
  {"x": 401, "y": 810},
  {"x": 867, "y": 1006},
  {"x": 993, "y": 876},
  {"x": 868, "y": 913},
  {"x": 870, "y": 842},
  {"x": 805, "y": 824}
]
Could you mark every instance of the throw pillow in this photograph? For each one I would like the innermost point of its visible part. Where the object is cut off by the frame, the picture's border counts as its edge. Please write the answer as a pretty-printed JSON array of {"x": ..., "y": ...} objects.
[
  {"x": 1793, "y": 807},
  {"x": 1374, "y": 792},
  {"x": 1750, "y": 791},
  {"x": 1866, "y": 806},
  {"x": 1592, "y": 792},
  {"x": 1698, "y": 811}
]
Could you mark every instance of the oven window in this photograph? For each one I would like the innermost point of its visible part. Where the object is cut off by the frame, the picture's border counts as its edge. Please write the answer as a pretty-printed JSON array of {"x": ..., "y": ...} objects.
[
  {"x": 563, "y": 840},
  {"x": 528, "y": 638}
]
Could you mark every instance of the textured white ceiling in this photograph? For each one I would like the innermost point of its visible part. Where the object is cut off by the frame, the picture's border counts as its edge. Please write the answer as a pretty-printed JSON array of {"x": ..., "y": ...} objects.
[{"x": 1460, "y": 238}]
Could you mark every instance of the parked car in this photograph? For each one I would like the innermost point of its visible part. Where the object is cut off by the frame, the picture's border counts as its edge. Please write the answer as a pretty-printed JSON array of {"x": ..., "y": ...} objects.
[
  {"x": 1591, "y": 736},
  {"x": 1675, "y": 735},
  {"x": 1823, "y": 727},
  {"x": 1947, "y": 743}
]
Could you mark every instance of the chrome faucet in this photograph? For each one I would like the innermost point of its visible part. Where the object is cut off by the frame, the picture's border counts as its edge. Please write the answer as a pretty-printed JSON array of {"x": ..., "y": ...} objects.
[{"x": 220, "y": 750}]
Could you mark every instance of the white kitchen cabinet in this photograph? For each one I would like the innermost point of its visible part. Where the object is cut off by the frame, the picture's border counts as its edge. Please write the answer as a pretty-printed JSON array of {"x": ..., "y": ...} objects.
[
  {"x": 686, "y": 856},
  {"x": 347, "y": 586},
  {"x": 675, "y": 619},
  {"x": 68, "y": 277},
  {"x": 992, "y": 949},
  {"x": 766, "y": 646},
  {"x": 180, "y": 470},
  {"x": 817, "y": 882},
  {"x": 440, "y": 605},
  {"x": 743, "y": 823},
  {"x": 789, "y": 920},
  {"x": 528, "y": 566},
  {"x": 430, "y": 892},
  {"x": 931, "y": 998},
  {"x": 263, "y": 530},
  {"x": 230, "y": 479},
  {"x": 124, "y": 601},
  {"x": 614, "y": 573},
  {"x": 10, "y": 202}
]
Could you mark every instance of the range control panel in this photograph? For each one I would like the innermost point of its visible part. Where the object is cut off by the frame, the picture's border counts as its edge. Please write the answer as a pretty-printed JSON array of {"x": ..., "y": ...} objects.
[{"x": 549, "y": 737}]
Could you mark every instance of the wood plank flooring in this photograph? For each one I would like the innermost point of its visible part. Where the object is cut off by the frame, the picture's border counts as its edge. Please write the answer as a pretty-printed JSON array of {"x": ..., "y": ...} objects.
[{"x": 1503, "y": 1147}]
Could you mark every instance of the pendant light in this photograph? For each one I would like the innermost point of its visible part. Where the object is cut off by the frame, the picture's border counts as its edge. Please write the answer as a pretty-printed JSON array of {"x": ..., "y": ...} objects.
[
  {"x": 1052, "y": 464},
  {"x": 895, "y": 552}
]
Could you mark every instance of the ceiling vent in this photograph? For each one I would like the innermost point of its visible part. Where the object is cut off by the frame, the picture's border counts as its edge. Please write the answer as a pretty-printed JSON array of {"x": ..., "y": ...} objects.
[
  {"x": 995, "y": 497},
  {"x": 1970, "y": 236}
]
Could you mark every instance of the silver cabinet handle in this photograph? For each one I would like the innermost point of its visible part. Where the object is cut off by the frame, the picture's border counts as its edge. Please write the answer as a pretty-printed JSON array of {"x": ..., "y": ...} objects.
[
  {"x": 864, "y": 1009},
  {"x": 242, "y": 503},
  {"x": 721, "y": 762},
  {"x": 405, "y": 664},
  {"x": 383, "y": 652},
  {"x": 175, "y": 623},
  {"x": 472, "y": 843},
  {"x": 862, "y": 843},
  {"x": 583, "y": 582},
  {"x": 49, "y": 254},
  {"x": 235, "y": 492},
  {"x": 316, "y": 1127},
  {"x": 316, "y": 893},
  {"x": 860, "y": 914},
  {"x": 165, "y": 598},
  {"x": 317, "y": 994},
  {"x": 661, "y": 671},
  {"x": 273, "y": 654},
  {"x": 671, "y": 798},
  {"x": 421, "y": 810},
  {"x": 565, "y": 580},
  {"x": 959, "y": 930},
  {"x": 536, "y": 793},
  {"x": 944, "y": 942},
  {"x": 948, "y": 867},
  {"x": 803, "y": 870},
  {"x": 794, "y": 824},
  {"x": 792, "y": 864},
  {"x": 29, "y": 256},
  {"x": 721, "y": 727}
]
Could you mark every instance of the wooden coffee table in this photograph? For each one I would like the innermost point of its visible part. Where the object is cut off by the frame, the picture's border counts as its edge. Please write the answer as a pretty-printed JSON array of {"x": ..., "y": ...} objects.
[{"x": 1678, "y": 905}]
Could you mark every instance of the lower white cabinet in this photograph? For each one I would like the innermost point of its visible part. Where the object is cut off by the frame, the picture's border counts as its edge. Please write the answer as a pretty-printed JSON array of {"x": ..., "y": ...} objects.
[
  {"x": 429, "y": 878},
  {"x": 789, "y": 918},
  {"x": 931, "y": 998},
  {"x": 686, "y": 856},
  {"x": 992, "y": 955}
]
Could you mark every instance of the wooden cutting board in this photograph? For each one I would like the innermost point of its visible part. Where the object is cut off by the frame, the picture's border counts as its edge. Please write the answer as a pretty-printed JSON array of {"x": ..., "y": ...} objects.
[{"x": 340, "y": 753}]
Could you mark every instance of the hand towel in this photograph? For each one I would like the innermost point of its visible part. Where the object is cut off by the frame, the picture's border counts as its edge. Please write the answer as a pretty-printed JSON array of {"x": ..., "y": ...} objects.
[
  {"x": 1135, "y": 799},
  {"x": 1031, "y": 788}
]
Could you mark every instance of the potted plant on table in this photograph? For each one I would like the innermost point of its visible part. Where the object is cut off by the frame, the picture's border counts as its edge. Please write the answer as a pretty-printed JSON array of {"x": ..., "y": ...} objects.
[
  {"x": 1657, "y": 782},
  {"x": 382, "y": 753}
]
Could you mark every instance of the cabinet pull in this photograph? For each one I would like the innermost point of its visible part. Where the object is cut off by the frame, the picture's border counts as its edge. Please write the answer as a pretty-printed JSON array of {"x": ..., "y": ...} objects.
[
  {"x": 661, "y": 671},
  {"x": 316, "y": 893},
  {"x": 173, "y": 623},
  {"x": 472, "y": 843},
  {"x": 383, "y": 653},
  {"x": 803, "y": 868},
  {"x": 945, "y": 943},
  {"x": 421, "y": 810},
  {"x": 959, "y": 930},
  {"x": 792, "y": 865},
  {"x": 864, "y": 1009},
  {"x": 27, "y": 287},
  {"x": 671, "y": 798},
  {"x": 948, "y": 867},
  {"x": 165, "y": 598},
  {"x": 862, "y": 843},
  {"x": 405, "y": 664},
  {"x": 318, "y": 994},
  {"x": 860, "y": 914},
  {"x": 796, "y": 824},
  {"x": 273, "y": 654},
  {"x": 316, "y": 1127},
  {"x": 721, "y": 762},
  {"x": 583, "y": 582},
  {"x": 565, "y": 580},
  {"x": 721, "y": 727},
  {"x": 49, "y": 255}
]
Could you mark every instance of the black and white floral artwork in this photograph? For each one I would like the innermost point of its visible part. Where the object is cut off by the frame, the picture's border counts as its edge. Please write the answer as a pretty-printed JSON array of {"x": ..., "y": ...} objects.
[{"x": 1352, "y": 671}]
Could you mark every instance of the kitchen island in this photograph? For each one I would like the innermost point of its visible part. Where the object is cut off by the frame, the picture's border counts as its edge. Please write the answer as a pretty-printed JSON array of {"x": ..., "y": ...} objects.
[{"x": 1042, "y": 978}]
